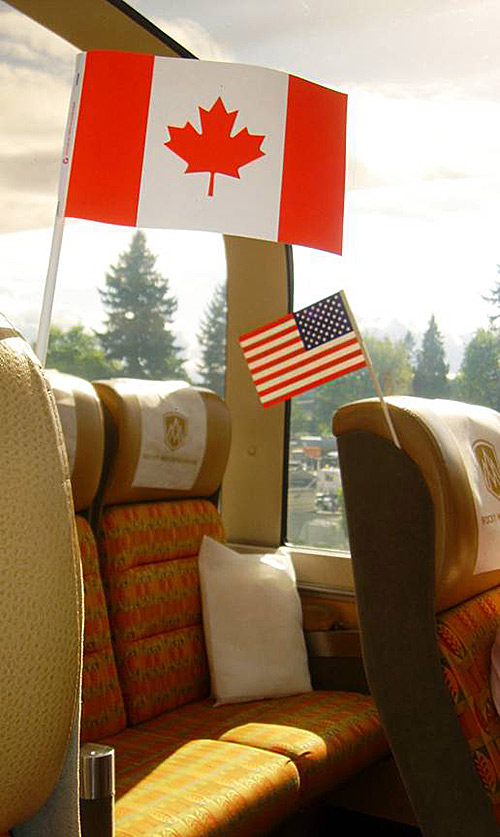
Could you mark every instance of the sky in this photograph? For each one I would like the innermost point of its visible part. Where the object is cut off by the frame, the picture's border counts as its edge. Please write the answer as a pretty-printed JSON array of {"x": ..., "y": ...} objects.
[{"x": 421, "y": 231}]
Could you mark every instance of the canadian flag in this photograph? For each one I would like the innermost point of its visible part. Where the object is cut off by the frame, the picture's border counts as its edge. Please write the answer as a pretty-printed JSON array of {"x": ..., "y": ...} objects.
[{"x": 169, "y": 142}]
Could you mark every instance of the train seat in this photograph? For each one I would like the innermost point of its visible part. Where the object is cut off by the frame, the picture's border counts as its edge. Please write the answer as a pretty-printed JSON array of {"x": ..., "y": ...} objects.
[
  {"x": 40, "y": 606},
  {"x": 80, "y": 413},
  {"x": 238, "y": 768},
  {"x": 424, "y": 527}
]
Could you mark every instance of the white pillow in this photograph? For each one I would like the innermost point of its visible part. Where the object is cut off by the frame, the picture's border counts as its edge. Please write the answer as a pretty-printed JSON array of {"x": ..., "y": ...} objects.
[{"x": 253, "y": 625}]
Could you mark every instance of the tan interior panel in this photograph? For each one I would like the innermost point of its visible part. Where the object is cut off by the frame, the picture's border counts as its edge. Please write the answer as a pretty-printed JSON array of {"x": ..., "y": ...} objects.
[
  {"x": 93, "y": 24},
  {"x": 257, "y": 293}
]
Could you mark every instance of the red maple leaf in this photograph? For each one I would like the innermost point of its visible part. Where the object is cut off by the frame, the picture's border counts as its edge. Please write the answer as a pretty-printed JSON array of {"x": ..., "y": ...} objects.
[{"x": 214, "y": 149}]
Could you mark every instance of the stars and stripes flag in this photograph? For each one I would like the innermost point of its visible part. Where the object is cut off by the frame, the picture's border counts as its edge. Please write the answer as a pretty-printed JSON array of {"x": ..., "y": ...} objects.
[{"x": 303, "y": 350}]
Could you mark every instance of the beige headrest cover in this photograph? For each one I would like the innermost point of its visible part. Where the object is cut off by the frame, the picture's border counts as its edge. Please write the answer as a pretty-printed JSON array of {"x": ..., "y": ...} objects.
[
  {"x": 83, "y": 428},
  {"x": 171, "y": 440},
  {"x": 457, "y": 449},
  {"x": 40, "y": 589}
]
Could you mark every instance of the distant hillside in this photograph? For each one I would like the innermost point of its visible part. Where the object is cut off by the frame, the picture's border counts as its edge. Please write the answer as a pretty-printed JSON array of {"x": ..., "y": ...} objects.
[{"x": 454, "y": 344}]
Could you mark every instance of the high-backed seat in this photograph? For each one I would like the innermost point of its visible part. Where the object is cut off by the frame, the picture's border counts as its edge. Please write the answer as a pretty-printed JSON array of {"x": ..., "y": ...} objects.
[
  {"x": 424, "y": 528},
  {"x": 81, "y": 416},
  {"x": 40, "y": 605},
  {"x": 158, "y": 436},
  {"x": 238, "y": 768}
]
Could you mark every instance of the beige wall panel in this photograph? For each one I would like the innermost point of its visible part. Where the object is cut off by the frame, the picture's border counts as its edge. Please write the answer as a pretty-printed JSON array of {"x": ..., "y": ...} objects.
[{"x": 251, "y": 496}]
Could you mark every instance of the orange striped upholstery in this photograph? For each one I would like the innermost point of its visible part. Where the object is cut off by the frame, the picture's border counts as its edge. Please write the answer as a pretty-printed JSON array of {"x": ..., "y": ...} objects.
[
  {"x": 149, "y": 554},
  {"x": 466, "y": 635},
  {"x": 190, "y": 768},
  {"x": 203, "y": 789},
  {"x": 103, "y": 712},
  {"x": 328, "y": 735},
  {"x": 322, "y": 737}
]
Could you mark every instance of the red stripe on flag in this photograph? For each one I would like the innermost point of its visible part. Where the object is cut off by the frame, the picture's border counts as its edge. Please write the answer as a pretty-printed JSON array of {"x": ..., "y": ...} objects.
[
  {"x": 107, "y": 160},
  {"x": 319, "y": 383},
  {"x": 278, "y": 347},
  {"x": 329, "y": 354},
  {"x": 321, "y": 367},
  {"x": 267, "y": 327},
  {"x": 313, "y": 184},
  {"x": 254, "y": 370},
  {"x": 291, "y": 329}
]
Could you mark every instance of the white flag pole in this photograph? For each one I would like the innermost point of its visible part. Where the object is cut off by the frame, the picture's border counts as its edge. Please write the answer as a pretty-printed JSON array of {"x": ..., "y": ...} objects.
[
  {"x": 42, "y": 339},
  {"x": 376, "y": 384}
]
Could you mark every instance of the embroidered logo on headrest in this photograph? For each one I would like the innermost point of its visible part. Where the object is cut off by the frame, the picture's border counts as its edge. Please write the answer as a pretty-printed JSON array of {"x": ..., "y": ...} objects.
[
  {"x": 176, "y": 427},
  {"x": 487, "y": 458}
]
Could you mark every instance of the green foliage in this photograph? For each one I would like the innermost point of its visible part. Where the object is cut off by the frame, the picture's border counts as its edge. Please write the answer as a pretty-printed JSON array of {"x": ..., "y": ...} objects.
[
  {"x": 392, "y": 366},
  {"x": 139, "y": 309},
  {"x": 430, "y": 379},
  {"x": 212, "y": 339},
  {"x": 478, "y": 381},
  {"x": 410, "y": 344},
  {"x": 300, "y": 418},
  {"x": 495, "y": 299},
  {"x": 78, "y": 352}
]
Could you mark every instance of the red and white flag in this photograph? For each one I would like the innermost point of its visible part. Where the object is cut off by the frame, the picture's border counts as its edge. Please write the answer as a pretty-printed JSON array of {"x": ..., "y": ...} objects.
[
  {"x": 303, "y": 350},
  {"x": 170, "y": 142}
]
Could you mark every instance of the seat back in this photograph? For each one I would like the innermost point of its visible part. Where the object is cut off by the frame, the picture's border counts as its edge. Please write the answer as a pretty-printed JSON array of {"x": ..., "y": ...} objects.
[
  {"x": 424, "y": 528},
  {"x": 79, "y": 408},
  {"x": 40, "y": 605},
  {"x": 167, "y": 447}
]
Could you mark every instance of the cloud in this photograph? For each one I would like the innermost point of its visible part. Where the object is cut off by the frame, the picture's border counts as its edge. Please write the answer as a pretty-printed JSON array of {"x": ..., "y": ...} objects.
[
  {"x": 36, "y": 70},
  {"x": 411, "y": 118},
  {"x": 26, "y": 210},
  {"x": 418, "y": 45},
  {"x": 26, "y": 41},
  {"x": 36, "y": 172},
  {"x": 33, "y": 104},
  {"x": 194, "y": 37},
  {"x": 396, "y": 140}
]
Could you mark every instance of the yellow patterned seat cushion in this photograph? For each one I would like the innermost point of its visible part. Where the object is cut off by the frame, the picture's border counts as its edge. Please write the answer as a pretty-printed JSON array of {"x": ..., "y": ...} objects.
[
  {"x": 466, "y": 635},
  {"x": 149, "y": 553},
  {"x": 329, "y": 736},
  {"x": 187, "y": 767},
  {"x": 103, "y": 712},
  {"x": 200, "y": 788}
]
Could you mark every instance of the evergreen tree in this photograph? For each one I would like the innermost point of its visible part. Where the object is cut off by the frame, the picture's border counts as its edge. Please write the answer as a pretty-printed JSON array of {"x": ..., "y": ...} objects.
[
  {"x": 78, "y": 352},
  {"x": 212, "y": 339},
  {"x": 495, "y": 299},
  {"x": 139, "y": 309},
  {"x": 392, "y": 367},
  {"x": 410, "y": 345},
  {"x": 478, "y": 381},
  {"x": 430, "y": 378}
]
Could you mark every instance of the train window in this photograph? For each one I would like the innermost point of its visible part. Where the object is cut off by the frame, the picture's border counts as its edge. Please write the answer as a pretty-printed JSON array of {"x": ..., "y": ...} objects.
[
  {"x": 420, "y": 260},
  {"x": 420, "y": 256},
  {"x": 421, "y": 246}
]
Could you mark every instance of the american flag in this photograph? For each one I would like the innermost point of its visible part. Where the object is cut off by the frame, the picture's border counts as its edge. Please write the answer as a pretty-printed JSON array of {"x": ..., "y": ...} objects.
[{"x": 303, "y": 350}]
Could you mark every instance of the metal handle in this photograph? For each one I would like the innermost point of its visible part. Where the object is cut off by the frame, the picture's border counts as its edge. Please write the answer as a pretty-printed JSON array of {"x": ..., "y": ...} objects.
[{"x": 97, "y": 771}]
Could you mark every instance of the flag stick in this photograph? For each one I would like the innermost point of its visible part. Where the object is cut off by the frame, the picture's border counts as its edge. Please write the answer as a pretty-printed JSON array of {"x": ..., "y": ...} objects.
[
  {"x": 42, "y": 339},
  {"x": 376, "y": 384}
]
